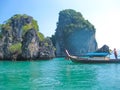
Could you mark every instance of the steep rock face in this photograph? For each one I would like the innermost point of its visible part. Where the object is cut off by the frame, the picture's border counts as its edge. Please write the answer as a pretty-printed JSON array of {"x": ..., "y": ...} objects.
[
  {"x": 46, "y": 49},
  {"x": 80, "y": 42},
  {"x": 17, "y": 23},
  {"x": 74, "y": 33},
  {"x": 11, "y": 34},
  {"x": 104, "y": 48},
  {"x": 7, "y": 41},
  {"x": 33, "y": 48},
  {"x": 20, "y": 39},
  {"x": 30, "y": 45}
]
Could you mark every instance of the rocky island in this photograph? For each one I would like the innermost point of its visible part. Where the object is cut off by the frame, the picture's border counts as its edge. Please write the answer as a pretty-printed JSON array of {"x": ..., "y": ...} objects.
[
  {"x": 20, "y": 39},
  {"x": 74, "y": 33}
]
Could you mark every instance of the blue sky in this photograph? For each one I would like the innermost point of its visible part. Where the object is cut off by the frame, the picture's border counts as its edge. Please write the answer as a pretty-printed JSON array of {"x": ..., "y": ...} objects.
[{"x": 103, "y": 14}]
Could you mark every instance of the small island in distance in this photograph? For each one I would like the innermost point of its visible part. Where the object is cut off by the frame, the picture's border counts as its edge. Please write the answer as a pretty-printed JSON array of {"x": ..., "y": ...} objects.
[{"x": 20, "y": 38}]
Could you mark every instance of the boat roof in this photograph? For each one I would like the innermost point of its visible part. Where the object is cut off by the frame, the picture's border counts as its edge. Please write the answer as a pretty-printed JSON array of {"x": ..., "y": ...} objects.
[{"x": 95, "y": 54}]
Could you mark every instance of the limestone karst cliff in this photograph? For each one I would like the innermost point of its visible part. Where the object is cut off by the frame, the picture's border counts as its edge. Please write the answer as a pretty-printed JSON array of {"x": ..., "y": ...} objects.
[
  {"x": 74, "y": 33},
  {"x": 20, "y": 39}
]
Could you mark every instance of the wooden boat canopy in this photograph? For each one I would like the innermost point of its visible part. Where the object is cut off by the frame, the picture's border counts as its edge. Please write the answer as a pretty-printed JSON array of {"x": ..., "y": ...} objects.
[{"x": 95, "y": 54}]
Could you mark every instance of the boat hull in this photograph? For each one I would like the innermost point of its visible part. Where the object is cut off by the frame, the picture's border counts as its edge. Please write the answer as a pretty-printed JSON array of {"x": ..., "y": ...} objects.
[{"x": 80, "y": 60}]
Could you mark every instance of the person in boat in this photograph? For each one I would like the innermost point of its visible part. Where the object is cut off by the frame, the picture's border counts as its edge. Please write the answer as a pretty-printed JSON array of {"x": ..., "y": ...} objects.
[{"x": 115, "y": 53}]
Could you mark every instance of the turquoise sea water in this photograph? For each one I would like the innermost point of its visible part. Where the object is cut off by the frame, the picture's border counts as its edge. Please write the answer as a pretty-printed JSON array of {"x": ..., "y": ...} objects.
[{"x": 58, "y": 74}]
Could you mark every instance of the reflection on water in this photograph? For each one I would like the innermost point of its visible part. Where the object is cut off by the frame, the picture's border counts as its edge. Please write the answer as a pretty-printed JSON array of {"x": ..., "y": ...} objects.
[{"x": 58, "y": 74}]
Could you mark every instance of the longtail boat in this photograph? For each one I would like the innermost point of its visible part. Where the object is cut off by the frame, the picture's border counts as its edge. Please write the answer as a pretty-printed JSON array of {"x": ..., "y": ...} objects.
[{"x": 92, "y": 58}]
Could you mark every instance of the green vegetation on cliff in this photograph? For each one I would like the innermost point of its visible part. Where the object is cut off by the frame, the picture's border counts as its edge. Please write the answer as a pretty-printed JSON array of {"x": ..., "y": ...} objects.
[
  {"x": 32, "y": 25},
  {"x": 70, "y": 20},
  {"x": 6, "y": 26},
  {"x": 15, "y": 48},
  {"x": 22, "y": 22},
  {"x": 41, "y": 36}
]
